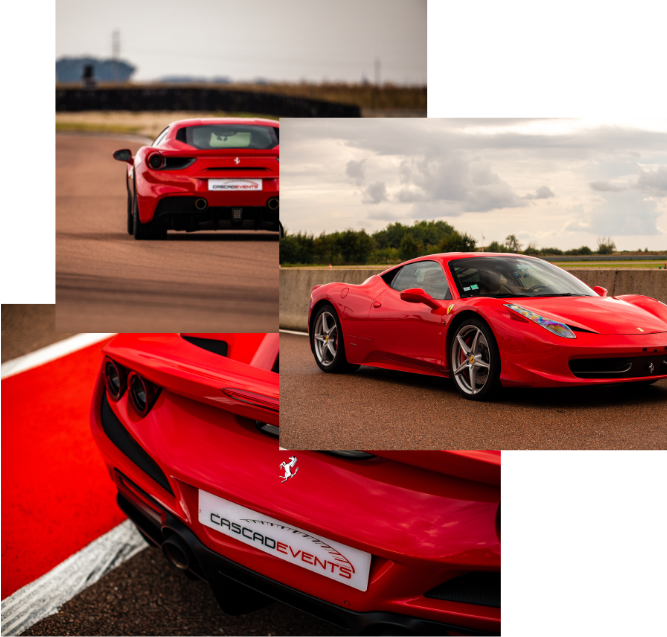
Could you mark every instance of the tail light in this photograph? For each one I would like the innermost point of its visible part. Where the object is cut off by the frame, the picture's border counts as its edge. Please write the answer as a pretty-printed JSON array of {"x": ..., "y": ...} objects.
[
  {"x": 156, "y": 161},
  {"x": 142, "y": 393},
  {"x": 115, "y": 379}
]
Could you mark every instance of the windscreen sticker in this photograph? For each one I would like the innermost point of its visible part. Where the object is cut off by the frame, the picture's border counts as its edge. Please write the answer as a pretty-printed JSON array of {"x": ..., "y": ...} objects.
[
  {"x": 466, "y": 289},
  {"x": 474, "y": 287}
]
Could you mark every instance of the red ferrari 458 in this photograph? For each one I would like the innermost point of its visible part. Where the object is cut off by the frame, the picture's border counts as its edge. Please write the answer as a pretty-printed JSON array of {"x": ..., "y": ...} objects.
[
  {"x": 378, "y": 542},
  {"x": 204, "y": 174},
  {"x": 489, "y": 320}
]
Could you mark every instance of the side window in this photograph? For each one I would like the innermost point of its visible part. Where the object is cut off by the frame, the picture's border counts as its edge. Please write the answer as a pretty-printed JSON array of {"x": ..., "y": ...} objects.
[
  {"x": 427, "y": 275},
  {"x": 160, "y": 137}
]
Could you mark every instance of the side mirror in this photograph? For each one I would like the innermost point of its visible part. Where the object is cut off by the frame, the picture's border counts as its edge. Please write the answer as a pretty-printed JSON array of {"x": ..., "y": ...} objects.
[
  {"x": 600, "y": 291},
  {"x": 417, "y": 295},
  {"x": 123, "y": 155}
]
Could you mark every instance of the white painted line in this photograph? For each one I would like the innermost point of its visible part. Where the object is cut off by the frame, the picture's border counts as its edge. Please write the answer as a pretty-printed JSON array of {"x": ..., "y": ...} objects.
[
  {"x": 51, "y": 352},
  {"x": 46, "y": 595},
  {"x": 293, "y": 332}
]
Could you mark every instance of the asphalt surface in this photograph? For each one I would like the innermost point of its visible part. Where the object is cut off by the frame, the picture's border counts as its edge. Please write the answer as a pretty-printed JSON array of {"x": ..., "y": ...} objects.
[
  {"x": 147, "y": 596},
  {"x": 26, "y": 328},
  {"x": 224, "y": 281},
  {"x": 383, "y": 409}
]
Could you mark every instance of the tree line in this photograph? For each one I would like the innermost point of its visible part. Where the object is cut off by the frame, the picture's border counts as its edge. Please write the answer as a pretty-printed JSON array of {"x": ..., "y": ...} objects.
[{"x": 398, "y": 242}]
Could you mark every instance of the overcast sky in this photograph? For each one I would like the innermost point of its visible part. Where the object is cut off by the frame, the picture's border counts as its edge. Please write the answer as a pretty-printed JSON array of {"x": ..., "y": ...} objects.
[
  {"x": 278, "y": 40},
  {"x": 558, "y": 183}
]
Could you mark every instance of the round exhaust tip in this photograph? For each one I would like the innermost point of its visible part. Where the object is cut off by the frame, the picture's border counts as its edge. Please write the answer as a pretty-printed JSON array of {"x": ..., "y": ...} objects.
[
  {"x": 273, "y": 203},
  {"x": 201, "y": 204},
  {"x": 176, "y": 551}
]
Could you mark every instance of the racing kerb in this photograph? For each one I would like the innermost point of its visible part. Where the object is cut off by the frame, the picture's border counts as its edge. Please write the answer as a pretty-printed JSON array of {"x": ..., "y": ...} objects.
[{"x": 296, "y": 284}]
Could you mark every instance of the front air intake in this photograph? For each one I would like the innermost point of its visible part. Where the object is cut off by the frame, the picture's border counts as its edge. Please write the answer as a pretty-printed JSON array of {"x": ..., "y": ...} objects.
[{"x": 481, "y": 588}]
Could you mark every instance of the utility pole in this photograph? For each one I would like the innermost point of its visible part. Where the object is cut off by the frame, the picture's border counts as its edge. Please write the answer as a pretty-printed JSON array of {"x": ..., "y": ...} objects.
[{"x": 115, "y": 53}]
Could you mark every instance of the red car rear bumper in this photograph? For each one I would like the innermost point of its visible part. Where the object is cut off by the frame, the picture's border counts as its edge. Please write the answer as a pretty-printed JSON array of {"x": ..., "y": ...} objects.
[{"x": 437, "y": 527}]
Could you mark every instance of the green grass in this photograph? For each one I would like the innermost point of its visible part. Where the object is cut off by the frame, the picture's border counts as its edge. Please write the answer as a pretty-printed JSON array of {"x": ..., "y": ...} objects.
[
  {"x": 605, "y": 265},
  {"x": 84, "y": 127},
  {"x": 611, "y": 265}
]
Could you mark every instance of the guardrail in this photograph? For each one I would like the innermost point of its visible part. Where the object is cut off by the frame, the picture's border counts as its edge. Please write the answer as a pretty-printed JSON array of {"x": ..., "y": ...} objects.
[
  {"x": 198, "y": 99},
  {"x": 296, "y": 283}
]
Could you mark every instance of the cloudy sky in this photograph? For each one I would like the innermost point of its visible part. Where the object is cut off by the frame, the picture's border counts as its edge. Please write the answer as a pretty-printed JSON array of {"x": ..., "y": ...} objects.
[
  {"x": 287, "y": 40},
  {"x": 558, "y": 183}
]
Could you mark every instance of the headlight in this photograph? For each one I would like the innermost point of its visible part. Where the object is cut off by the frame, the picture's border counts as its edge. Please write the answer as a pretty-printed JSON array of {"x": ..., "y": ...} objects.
[{"x": 559, "y": 329}]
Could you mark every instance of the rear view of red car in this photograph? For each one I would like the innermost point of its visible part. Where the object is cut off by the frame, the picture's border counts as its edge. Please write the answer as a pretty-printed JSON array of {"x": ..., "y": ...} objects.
[
  {"x": 204, "y": 174},
  {"x": 377, "y": 542}
]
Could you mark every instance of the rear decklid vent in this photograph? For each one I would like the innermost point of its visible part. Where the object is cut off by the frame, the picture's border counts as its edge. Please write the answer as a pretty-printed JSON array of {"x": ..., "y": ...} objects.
[{"x": 209, "y": 344}]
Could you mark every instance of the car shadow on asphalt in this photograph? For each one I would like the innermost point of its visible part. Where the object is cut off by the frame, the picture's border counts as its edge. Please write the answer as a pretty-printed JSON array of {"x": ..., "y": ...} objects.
[{"x": 586, "y": 397}]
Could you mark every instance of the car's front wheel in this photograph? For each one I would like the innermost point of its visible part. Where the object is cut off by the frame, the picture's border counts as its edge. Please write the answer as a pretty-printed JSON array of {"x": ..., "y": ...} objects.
[
  {"x": 475, "y": 360},
  {"x": 130, "y": 217},
  {"x": 326, "y": 339},
  {"x": 143, "y": 231}
]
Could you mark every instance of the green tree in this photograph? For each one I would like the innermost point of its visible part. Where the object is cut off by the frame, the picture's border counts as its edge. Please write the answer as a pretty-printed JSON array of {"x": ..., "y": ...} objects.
[
  {"x": 512, "y": 243},
  {"x": 606, "y": 245},
  {"x": 531, "y": 249},
  {"x": 457, "y": 242},
  {"x": 409, "y": 249},
  {"x": 494, "y": 246}
]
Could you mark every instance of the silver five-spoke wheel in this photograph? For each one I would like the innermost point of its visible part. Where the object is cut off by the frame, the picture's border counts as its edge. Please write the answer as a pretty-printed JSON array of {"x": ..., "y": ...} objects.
[
  {"x": 326, "y": 338},
  {"x": 471, "y": 359}
]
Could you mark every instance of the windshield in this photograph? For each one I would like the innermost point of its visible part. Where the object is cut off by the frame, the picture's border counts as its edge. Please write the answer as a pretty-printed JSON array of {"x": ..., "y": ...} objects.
[
  {"x": 502, "y": 277},
  {"x": 232, "y": 136}
]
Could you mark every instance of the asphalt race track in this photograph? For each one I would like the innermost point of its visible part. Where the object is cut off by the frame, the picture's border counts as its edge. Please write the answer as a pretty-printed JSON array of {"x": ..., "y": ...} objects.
[
  {"x": 224, "y": 281},
  {"x": 383, "y": 409},
  {"x": 147, "y": 596},
  {"x": 57, "y": 498}
]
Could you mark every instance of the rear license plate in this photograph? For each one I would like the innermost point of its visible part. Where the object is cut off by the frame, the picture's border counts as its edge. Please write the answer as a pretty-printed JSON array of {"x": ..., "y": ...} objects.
[
  {"x": 315, "y": 553},
  {"x": 235, "y": 184}
]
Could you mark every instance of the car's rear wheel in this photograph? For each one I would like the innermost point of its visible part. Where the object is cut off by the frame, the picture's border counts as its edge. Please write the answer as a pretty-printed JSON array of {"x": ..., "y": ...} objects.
[
  {"x": 475, "y": 360},
  {"x": 281, "y": 231},
  {"x": 130, "y": 218},
  {"x": 326, "y": 338},
  {"x": 142, "y": 231}
]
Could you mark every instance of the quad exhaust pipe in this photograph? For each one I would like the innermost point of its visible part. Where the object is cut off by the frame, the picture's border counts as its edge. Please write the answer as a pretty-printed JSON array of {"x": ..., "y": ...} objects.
[
  {"x": 201, "y": 204},
  {"x": 272, "y": 204}
]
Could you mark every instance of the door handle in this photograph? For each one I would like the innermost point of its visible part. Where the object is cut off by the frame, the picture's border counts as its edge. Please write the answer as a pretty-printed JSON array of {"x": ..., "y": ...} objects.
[{"x": 377, "y": 304}]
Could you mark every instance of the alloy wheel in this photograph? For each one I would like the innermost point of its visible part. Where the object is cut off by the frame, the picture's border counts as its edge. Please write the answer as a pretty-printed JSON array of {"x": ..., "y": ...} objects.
[
  {"x": 471, "y": 359},
  {"x": 326, "y": 338}
]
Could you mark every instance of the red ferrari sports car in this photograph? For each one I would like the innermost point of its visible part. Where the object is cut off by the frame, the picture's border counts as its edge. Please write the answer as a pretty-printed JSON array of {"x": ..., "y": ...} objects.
[
  {"x": 489, "y": 321},
  {"x": 187, "y": 426},
  {"x": 204, "y": 174}
]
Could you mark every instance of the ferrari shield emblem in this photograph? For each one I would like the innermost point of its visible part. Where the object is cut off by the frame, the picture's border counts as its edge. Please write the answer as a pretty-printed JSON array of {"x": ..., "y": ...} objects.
[{"x": 450, "y": 308}]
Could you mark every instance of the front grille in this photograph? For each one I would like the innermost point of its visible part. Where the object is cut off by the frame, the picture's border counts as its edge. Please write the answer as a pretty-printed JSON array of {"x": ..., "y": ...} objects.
[
  {"x": 481, "y": 588},
  {"x": 626, "y": 367},
  {"x": 121, "y": 437}
]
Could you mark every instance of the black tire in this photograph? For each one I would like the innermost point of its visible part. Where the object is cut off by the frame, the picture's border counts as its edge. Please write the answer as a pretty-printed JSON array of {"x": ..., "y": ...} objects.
[
  {"x": 145, "y": 231},
  {"x": 130, "y": 219},
  {"x": 281, "y": 232},
  {"x": 486, "y": 353},
  {"x": 328, "y": 361}
]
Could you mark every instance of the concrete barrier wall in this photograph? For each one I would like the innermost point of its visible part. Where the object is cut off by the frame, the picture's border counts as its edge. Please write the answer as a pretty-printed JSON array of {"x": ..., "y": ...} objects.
[{"x": 296, "y": 283}]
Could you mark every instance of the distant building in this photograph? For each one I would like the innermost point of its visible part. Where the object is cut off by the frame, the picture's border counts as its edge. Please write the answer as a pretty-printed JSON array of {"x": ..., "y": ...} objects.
[{"x": 73, "y": 70}]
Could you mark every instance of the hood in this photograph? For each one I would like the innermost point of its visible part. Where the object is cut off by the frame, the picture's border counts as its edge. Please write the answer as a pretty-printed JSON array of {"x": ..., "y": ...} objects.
[{"x": 604, "y": 315}]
